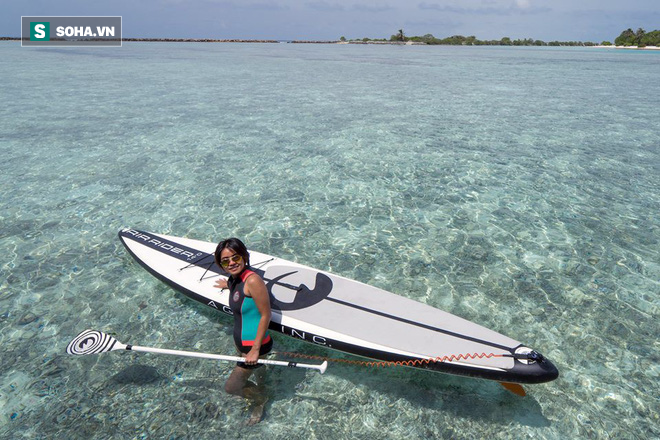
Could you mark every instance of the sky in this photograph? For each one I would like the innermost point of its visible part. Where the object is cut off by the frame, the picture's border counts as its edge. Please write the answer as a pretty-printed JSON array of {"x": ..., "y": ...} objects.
[{"x": 547, "y": 20}]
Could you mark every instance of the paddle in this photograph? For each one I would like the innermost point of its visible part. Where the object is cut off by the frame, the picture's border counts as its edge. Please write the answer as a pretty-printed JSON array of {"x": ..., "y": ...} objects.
[{"x": 95, "y": 342}]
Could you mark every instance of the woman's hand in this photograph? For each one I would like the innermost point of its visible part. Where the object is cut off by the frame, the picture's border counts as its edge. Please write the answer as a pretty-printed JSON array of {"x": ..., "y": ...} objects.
[
  {"x": 252, "y": 357},
  {"x": 220, "y": 284}
]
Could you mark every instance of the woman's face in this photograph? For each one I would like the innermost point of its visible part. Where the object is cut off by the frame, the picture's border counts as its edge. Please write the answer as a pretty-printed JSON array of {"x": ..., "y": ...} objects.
[{"x": 231, "y": 262}]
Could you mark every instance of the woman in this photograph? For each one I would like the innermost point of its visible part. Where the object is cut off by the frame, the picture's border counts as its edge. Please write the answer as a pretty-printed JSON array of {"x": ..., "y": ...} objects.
[{"x": 250, "y": 304}]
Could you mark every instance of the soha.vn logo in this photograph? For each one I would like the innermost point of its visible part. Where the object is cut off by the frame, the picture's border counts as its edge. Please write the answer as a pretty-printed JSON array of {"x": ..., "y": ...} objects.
[{"x": 39, "y": 31}]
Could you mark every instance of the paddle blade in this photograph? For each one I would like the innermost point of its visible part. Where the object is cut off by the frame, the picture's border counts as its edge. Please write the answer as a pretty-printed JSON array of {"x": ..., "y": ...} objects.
[
  {"x": 515, "y": 388},
  {"x": 92, "y": 342}
]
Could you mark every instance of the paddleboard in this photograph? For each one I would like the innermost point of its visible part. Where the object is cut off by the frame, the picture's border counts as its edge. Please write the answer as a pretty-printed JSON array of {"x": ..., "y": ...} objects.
[{"x": 346, "y": 315}]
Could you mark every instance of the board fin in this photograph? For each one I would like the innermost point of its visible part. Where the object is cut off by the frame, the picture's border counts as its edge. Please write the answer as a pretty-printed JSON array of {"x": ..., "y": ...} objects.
[{"x": 515, "y": 388}]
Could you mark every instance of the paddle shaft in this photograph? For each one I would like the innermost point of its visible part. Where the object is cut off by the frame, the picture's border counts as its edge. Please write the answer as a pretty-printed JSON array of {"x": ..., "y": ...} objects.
[{"x": 221, "y": 357}]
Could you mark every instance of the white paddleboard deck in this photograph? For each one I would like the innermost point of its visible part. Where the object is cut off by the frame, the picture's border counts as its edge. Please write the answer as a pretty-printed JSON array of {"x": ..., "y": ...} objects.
[{"x": 344, "y": 314}]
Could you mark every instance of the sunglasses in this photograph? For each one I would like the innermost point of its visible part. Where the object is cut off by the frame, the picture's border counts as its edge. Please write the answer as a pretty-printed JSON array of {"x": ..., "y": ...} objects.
[{"x": 225, "y": 262}]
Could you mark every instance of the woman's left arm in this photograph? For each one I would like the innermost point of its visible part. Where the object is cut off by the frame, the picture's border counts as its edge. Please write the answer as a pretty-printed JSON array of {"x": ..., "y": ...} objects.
[{"x": 257, "y": 290}]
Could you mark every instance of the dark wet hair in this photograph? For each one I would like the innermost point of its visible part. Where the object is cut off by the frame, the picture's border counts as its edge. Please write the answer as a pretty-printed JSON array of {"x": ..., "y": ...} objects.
[{"x": 235, "y": 245}]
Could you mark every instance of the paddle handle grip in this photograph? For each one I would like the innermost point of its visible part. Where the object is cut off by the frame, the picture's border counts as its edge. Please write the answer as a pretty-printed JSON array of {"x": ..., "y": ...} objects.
[{"x": 220, "y": 357}]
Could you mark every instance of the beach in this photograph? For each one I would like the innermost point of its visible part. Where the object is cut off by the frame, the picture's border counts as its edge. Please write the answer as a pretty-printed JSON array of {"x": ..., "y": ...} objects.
[{"x": 628, "y": 47}]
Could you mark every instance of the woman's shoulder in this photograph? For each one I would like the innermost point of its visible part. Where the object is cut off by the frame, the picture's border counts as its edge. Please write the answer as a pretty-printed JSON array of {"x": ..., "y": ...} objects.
[
  {"x": 253, "y": 280},
  {"x": 247, "y": 274}
]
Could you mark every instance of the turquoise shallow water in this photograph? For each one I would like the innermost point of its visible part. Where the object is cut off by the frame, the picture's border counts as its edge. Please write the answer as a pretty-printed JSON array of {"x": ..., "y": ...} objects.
[{"x": 515, "y": 187}]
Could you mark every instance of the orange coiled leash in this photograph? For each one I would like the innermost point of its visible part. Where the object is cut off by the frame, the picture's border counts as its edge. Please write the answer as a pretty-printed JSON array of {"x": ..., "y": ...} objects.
[
  {"x": 408, "y": 363},
  {"x": 512, "y": 387}
]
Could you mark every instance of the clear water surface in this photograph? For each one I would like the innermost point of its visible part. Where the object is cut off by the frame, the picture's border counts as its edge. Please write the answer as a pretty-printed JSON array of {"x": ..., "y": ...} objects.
[{"x": 515, "y": 187}]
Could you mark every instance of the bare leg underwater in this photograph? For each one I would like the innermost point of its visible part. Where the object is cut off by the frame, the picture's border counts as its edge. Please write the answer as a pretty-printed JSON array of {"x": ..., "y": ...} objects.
[{"x": 239, "y": 384}]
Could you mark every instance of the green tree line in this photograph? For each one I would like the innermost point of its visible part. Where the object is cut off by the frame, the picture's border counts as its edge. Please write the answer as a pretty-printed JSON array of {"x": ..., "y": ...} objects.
[
  {"x": 641, "y": 38},
  {"x": 627, "y": 38},
  {"x": 460, "y": 40}
]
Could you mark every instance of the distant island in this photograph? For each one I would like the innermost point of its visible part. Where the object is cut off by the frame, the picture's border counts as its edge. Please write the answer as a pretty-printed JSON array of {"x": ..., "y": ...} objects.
[
  {"x": 639, "y": 39},
  {"x": 628, "y": 38}
]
